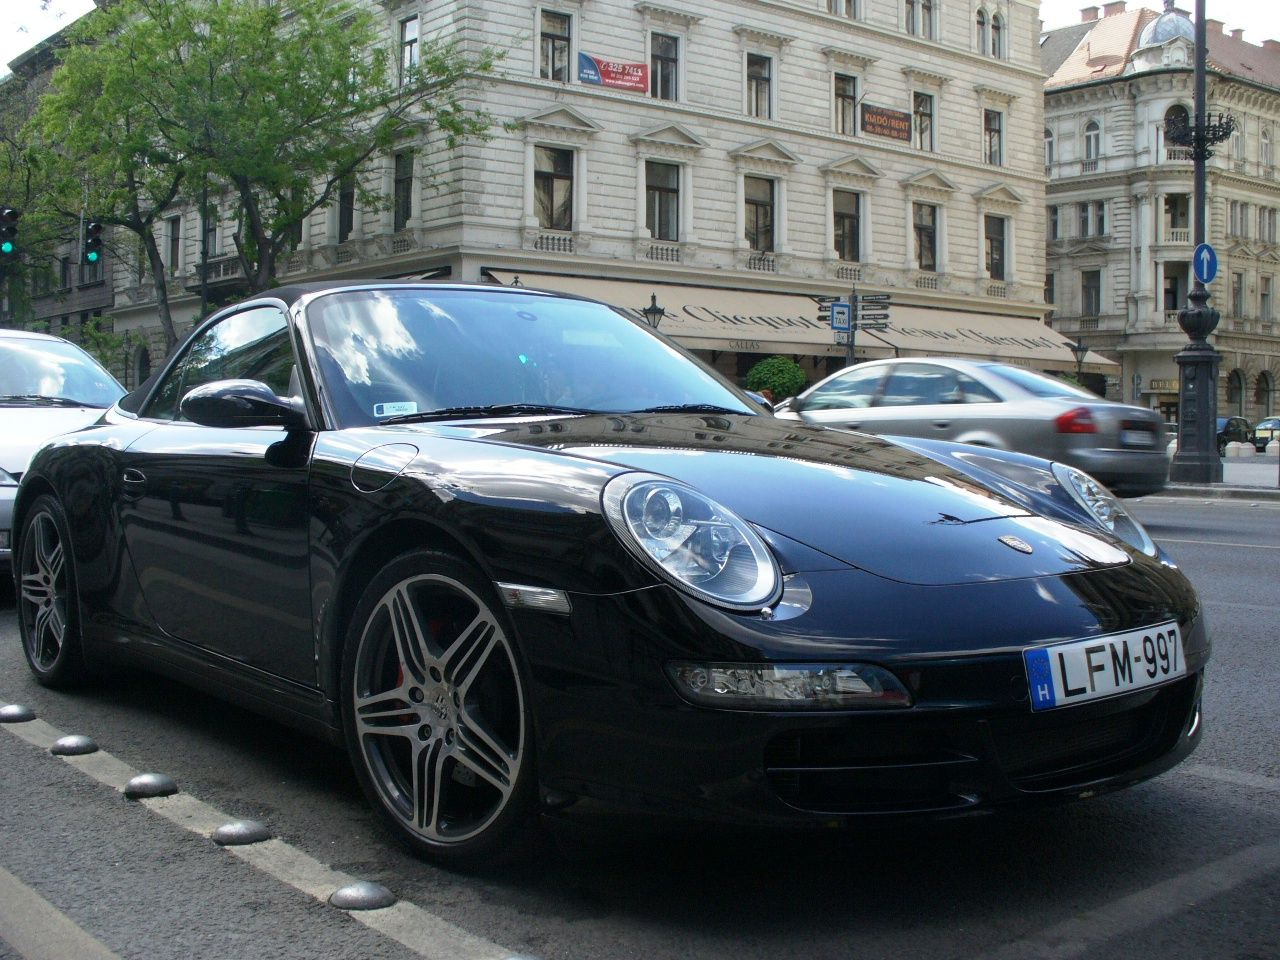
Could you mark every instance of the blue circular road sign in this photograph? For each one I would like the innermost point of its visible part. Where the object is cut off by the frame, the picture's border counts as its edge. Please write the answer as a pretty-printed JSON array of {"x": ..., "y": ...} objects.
[{"x": 1205, "y": 263}]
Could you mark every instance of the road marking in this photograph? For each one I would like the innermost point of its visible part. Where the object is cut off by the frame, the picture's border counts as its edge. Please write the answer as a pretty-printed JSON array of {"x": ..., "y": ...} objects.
[
  {"x": 1221, "y": 543},
  {"x": 1085, "y": 932},
  {"x": 1235, "y": 777},
  {"x": 38, "y": 930},
  {"x": 426, "y": 934}
]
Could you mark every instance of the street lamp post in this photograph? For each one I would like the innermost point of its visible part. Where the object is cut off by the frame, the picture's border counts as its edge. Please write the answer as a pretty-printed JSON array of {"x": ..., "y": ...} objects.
[
  {"x": 653, "y": 313},
  {"x": 1197, "y": 459},
  {"x": 1079, "y": 350}
]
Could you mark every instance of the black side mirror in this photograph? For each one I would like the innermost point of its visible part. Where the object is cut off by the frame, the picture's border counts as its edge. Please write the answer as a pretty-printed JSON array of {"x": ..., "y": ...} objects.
[{"x": 242, "y": 403}]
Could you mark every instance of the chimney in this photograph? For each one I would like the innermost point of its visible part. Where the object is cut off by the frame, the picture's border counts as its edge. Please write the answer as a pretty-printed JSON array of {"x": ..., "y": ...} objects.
[
  {"x": 1272, "y": 45},
  {"x": 1214, "y": 26},
  {"x": 1237, "y": 34},
  {"x": 1112, "y": 8},
  {"x": 1088, "y": 14}
]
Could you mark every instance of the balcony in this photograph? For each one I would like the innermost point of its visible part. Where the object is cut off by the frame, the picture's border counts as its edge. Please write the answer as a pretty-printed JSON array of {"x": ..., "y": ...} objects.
[
  {"x": 1177, "y": 235},
  {"x": 849, "y": 271},
  {"x": 1088, "y": 166},
  {"x": 1178, "y": 154},
  {"x": 554, "y": 242},
  {"x": 223, "y": 275},
  {"x": 927, "y": 281},
  {"x": 661, "y": 252},
  {"x": 998, "y": 289},
  {"x": 1171, "y": 316},
  {"x": 763, "y": 262}
]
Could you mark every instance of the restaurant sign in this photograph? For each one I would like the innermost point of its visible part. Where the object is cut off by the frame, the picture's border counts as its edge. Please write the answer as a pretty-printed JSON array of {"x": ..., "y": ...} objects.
[
  {"x": 884, "y": 122},
  {"x": 611, "y": 73}
]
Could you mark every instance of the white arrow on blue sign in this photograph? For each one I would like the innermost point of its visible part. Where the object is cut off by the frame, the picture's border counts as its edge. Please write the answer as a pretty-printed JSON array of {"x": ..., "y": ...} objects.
[{"x": 1205, "y": 263}]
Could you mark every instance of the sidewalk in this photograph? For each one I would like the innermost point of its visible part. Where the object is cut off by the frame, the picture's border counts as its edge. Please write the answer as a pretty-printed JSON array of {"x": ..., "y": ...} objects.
[{"x": 1249, "y": 478}]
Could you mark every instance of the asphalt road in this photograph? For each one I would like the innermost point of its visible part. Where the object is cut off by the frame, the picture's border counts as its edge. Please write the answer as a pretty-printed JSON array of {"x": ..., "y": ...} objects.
[{"x": 1186, "y": 866}]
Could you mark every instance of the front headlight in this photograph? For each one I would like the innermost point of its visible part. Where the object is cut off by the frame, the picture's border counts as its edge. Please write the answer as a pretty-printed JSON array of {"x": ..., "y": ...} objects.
[
  {"x": 692, "y": 541},
  {"x": 7, "y": 479},
  {"x": 1105, "y": 507}
]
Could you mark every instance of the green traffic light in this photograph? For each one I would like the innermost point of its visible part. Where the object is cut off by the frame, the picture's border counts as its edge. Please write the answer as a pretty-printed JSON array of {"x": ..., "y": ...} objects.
[
  {"x": 91, "y": 256},
  {"x": 7, "y": 247}
]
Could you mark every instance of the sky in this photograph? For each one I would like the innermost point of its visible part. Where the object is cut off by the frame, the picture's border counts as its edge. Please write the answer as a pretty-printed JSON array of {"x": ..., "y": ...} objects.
[{"x": 30, "y": 21}]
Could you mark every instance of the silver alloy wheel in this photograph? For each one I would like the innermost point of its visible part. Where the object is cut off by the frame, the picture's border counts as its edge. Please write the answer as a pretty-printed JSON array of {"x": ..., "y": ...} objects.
[
  {"x": 438, "y": 709},
  {"x": 43, "y": 585}
]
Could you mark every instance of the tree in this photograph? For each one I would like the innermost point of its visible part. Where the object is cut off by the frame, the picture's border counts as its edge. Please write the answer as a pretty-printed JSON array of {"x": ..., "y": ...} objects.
[
  {"x": 278, "y": 103},
  {"x": 781, "y": 376}
]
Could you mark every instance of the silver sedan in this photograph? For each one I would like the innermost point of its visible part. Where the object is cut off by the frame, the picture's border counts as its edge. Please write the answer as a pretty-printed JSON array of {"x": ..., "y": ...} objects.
[{"x": 993, "y": 405}]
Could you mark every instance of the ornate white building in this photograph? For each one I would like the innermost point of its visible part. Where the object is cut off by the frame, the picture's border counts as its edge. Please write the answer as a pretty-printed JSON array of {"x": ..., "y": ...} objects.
[
  {"x": 729, "y": 161},
  {"x": 1119, "y": 201}
]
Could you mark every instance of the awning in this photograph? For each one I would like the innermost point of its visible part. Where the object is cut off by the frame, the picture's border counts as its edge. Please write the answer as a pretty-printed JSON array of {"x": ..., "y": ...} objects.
[{"x": 747, "y": 321}]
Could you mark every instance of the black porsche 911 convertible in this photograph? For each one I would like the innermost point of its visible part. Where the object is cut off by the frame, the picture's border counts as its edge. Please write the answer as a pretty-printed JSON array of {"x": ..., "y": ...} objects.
[{"x": 515, "y": 548}]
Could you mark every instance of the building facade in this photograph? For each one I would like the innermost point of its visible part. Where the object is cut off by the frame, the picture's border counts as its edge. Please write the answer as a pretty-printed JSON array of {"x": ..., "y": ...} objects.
[
  {"x": 1119, "y": 201},
  {"x": 728, "y": 162}
]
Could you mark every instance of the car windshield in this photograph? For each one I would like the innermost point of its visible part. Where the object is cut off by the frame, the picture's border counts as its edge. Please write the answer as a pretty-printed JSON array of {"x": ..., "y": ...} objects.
[
  {"x": 1037, "y": 383},
  {"x": 419, "y": 354},
  {"x": 37, "y": 372}
]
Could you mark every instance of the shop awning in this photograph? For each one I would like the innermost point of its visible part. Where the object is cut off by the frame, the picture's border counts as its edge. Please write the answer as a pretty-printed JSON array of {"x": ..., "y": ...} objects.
[{"x": 746, "y": 321}]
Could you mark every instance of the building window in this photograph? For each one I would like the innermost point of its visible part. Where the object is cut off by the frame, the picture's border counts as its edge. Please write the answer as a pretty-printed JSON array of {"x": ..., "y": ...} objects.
[
  {"x": 91, "y": 272},
  {"x": 1090, "y": 293},
  {"x": 1237, "y": 294},
  {"x": 759, "y": 198},
  {"x": 664, "y": 66},
  {"x": 846, "y": 104},
  {"x": 1050, "y": 288},
  {"x": 993, "y": 136},
  {"x": 409, "y": 51},
  {"x": 922, "y": 120},
  {"x": 211, "y": 231},
  {"x": 1172, "y": 291},
  {"x": 1082, "y": 211},
  {"x": 919, "y": 18},
  {"x": 997, "y": 36},
  {"x": 403, "y": 189},
  {"x": 1267, "y": 224},
  {"x": 553, "y": 187},
  {"x": 1092, "y": 218},
  {"x": 64, "y": 273},
  {"x": 994, "y": 230},
  {"x": 346, "y": 207},
  {"x": 1092, "y": 144},
  {"x": 662, "y": 200},
  {"x": 924, "y": 218},
  {"x": 1264, "y": 299},
  {"x": 1100, "y": 218},
  {"x": 1238, "y": 225},
  {"x": 1048, "y": 147},
  {"x": 556, "y": 34},
  {"x": 847, "y": 207},
  {"x": 841, "y": 8},
  {"x": 984, "y": 32},
  {"x": 759, "y": 70},
  {"x": 173, "y": 234},
  {"x": 1054, "y": 228},
  {"x": 1264, "y": 151}
]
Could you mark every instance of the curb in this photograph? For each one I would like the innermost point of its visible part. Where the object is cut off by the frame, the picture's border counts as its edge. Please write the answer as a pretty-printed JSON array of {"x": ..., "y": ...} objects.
[{"x": 1217, "y": 491}]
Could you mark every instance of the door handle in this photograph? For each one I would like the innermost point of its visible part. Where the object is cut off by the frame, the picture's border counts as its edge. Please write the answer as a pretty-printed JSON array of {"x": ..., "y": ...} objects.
[
  {"x": 134, "y": 482},
  {"x": 942, "y": 424}
]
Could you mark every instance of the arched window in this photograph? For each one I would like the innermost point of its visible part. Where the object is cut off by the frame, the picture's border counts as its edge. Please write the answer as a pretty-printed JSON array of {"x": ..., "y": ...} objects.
[
  {"x": 1177, "y": 121},
  {"x": 1235, "y": 393},
  {"x": 1048, "y": 147},
  {"x": 926, "y": 19},
  {"x": 997, "y": 36},
  {"x": 1092, "y": 140},
  {"x": 984, "y": 35},
  {"x": 1264, "y": 395}
]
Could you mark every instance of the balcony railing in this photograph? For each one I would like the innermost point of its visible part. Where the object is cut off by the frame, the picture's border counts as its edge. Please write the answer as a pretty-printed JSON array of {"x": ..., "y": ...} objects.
[
  {"x": 927, "y": 281},
  {"x": 1088, "y": 166},
  {"x": 1177, "y": 235},
  {"x": 554, "y": 242},
  {"x": 1171, "y": 316},
  {"x": 762, "y": 262},
  {"x": 663, "y": 252},
  {"x": 849, "y": 271},
  {"x": 1179, "y": 154},
  {"x": 998, "y": 289}
]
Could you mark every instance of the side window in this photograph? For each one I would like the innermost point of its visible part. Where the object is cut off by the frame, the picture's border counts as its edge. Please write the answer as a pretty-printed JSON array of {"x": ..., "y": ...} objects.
[
  {"x": 971, "y": 391},
  {"x": 857, "y": 388},
  {"x": 253, "y": 345}
]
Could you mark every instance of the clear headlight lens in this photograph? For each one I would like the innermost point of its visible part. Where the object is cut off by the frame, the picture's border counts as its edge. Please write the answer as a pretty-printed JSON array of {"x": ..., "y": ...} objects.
[
  {"x": 1105, "y": 507},
  {"x": 7, "y": 479},
  {"x": 789, "y": 686},
  {"x": 691, "y": 540}
]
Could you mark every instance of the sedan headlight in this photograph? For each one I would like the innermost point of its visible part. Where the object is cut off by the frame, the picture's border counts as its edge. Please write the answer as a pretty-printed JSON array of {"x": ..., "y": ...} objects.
[
  {"x": 1105, "y": 507},
  {"x": 689, "y": 539},
  {"x": 789, "y": 686}
]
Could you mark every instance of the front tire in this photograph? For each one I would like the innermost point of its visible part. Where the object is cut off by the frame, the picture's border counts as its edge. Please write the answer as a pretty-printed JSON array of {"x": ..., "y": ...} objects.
[
  {"x": 435, "y": 710},
  {"x": 48, "y": 614}
]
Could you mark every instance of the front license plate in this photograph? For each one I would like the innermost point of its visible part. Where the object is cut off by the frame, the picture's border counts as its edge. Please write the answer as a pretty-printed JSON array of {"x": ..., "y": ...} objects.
[
  {"x": 1078, "y": 671},
  {"x": 1137, "y": 438}
]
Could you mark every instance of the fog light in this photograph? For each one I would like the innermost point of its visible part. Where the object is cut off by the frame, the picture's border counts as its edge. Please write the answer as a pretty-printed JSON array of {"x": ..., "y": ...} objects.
[{"x": 788, "y": 686}]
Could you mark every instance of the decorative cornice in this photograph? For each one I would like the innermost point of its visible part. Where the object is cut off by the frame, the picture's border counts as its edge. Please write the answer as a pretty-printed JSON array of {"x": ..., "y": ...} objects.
[
  {"x": 668, "y": 138},
  {"x": 929, "y": 183},
  {"x": 852, "y": 169},
  {"x": 653, "y": 13},
  {"x": 1001, "y": 194},
  {"x": 563, "y": 121},
  {"x": 764, "y": 154},
  {"x": 993, "y": 93},
  {"x": 919, "y": 77},
  {"x": 844, "y": 58},
  {"x": 748, "y": 35}
]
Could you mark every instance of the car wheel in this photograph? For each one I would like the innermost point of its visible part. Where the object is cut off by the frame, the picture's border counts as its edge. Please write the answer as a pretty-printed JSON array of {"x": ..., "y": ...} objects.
[
  {"x": 47, "y": 616},
  {"x": 436, "y": 713}
]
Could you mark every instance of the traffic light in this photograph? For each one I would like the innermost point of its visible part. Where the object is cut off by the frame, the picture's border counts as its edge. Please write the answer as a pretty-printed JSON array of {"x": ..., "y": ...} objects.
[
  {"x": 92, "y": 242},
  {"x": 9, "y": 218}
]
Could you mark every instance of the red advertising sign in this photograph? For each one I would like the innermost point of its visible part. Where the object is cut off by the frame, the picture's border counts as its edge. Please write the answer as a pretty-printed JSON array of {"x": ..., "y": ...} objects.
[
  {"x": 611, "y": 73},
  {"x": 884, "y": 122}
]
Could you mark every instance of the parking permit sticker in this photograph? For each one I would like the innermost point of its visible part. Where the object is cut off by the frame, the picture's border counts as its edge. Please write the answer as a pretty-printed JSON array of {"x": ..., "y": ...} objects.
[{"x": 397, "y": 409}]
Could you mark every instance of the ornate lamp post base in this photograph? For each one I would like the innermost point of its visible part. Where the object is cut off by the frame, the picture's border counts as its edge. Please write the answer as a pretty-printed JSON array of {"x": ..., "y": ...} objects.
[{"x": 1197, "y": 459}]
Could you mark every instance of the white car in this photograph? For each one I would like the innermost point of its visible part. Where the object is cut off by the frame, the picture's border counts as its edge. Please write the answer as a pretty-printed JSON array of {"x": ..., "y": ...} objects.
[{"x": 48, "y": 386}]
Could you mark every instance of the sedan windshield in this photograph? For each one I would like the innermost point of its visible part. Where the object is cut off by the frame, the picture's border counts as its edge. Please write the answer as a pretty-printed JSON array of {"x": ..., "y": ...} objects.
[
  {"x": 49, "y": 373},
  {"x": 1037, "y": 383},
  {"x": 405, "y": 354}
]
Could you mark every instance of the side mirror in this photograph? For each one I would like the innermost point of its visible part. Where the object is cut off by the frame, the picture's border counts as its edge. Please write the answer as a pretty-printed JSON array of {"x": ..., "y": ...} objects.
[
  {"x": 242, "y": 403},
  {"x": 761, "y": 399}
]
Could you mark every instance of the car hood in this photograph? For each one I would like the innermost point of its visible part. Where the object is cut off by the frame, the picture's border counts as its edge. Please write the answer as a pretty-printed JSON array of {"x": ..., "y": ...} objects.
[
  {"x": 861, "y": 500},
  {"x": 24, "y": 430}
]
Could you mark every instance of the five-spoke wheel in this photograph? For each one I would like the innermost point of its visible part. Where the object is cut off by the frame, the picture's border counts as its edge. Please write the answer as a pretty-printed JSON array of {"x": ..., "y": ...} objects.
[
  {"x": 435, "y": 708},
  {"x": 46, "y": 595}
]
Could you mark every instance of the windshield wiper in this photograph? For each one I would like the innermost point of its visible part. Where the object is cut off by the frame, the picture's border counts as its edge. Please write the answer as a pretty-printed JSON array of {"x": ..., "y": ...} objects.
[
  {"x": 39, "y": 399},
  {"x": 491, "y": 410},
  {"x": 691, "y": 408}
]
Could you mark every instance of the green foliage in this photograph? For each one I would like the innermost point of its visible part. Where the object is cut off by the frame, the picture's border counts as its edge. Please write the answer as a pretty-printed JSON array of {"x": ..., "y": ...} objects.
[
  {"x": 106, "y": 345},
  {"x": 781, "y": 376}
]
